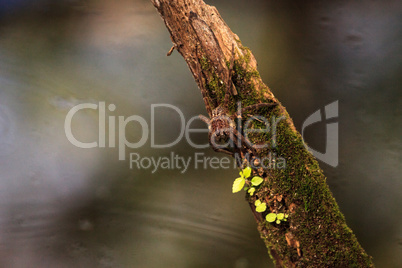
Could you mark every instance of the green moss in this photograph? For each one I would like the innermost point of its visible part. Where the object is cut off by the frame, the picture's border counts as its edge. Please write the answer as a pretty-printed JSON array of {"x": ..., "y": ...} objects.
[
  {"x": 316, "y": 216},
  {"x": 303, "y": 183}
]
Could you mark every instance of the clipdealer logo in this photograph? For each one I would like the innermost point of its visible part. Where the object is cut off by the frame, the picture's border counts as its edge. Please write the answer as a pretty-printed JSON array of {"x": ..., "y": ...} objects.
[
  {"x": 182, "y": 163},
  {"x": 330, "y": 156}
]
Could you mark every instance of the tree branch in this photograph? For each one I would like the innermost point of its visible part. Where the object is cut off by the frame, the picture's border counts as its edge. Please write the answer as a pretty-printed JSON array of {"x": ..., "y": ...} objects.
[{"x": 315, "y": 233}]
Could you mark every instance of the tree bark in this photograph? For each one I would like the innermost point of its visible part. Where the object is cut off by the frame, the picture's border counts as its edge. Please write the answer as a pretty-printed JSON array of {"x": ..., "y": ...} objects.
[{"x": 315, "y": 233}]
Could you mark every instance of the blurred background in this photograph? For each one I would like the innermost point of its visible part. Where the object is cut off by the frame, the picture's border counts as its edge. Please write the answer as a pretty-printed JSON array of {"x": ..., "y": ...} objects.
[{"x": 63, "y": 206}]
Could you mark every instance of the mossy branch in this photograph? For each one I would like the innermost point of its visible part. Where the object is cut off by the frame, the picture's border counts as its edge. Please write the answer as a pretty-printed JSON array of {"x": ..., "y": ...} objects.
[{"x": 315, "y": 233}]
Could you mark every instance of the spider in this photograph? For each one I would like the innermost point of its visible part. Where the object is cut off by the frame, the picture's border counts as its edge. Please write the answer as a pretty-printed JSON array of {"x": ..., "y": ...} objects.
[{"x": 222, "y": 130}]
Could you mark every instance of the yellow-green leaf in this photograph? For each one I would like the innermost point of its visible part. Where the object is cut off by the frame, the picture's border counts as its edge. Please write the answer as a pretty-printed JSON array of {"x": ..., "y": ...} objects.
[
  {"x": 238, "y": 184},
  {"x": 271, "y": 217},
  {"x": 257, "y": 203},
  {"x": 256, "y": 181},
  {"x": 246, "y": 172},
  {"x": 280, "y": 216},
  {"x": 251, "y": 190},
  {"x": 261, "y": 207}
]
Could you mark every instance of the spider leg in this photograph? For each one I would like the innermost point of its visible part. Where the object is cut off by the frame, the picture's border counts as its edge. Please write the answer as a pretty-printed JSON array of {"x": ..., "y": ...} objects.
[
  {"x": 221, "y": 150},
  {"x": 242, "y": 141},
  {"x": 205, "y": 119},
  {"x": 239, "y": 152},
  {"x": 200, "y": 83},
  {"x": 240, "y": 111},
  {"x": 257, "y": 106},
  {"x": 218, "y": 149},
  {"x": 229, "y": 84}
]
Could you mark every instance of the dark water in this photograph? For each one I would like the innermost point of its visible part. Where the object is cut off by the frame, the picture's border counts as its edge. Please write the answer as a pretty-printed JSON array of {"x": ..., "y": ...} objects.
[{"x": 64, "y": 206}]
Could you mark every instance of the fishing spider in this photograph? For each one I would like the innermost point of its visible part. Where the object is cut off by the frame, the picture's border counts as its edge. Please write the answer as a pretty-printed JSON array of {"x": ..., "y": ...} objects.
[{"x": 222, "y": 130}]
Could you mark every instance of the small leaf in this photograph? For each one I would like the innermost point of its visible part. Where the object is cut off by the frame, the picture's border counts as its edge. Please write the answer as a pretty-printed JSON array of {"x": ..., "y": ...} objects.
[
  {"x": 278, "y": 221},
  {"x": 286, "y": 216},
  {"x": 257, "y": 202},
  {"x": 257, "y": 181},
  {"x": 246, "y": 172},
  {"x": 261, "y": 207},
  {"x": 251, "y": 190},
  {"x": 280, "y": 216},
  {"x": 271, "y": 217},
  {"x": 238, "y": 185}
]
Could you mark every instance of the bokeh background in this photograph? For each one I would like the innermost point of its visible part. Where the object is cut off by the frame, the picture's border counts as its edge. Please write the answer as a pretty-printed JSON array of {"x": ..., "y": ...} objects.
[{"x": 62, "y": 206}]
